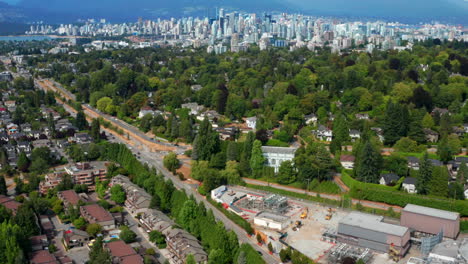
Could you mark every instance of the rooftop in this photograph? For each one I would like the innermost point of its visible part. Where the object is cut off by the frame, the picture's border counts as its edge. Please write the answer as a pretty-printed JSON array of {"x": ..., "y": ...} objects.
[
  {"x": 97, "y": 212},
  {"x": 70, "y": 196},
  {"x": 279, "y": 150},
  {"x": 274, "y": 217},
  {"x": 374, "y": 223},
  {"x": 120, "y": 249},
  {"x": 422, "y": 210}
]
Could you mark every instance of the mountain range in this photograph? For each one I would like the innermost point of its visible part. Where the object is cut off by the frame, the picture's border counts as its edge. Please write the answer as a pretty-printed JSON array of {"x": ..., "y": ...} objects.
[{"x": 63, "y": 11}]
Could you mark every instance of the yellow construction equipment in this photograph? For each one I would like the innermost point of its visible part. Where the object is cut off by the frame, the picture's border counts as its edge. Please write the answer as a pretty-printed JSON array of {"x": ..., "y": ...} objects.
[
  {"x": 298, "y": 224},
  {"x": 328, "y": 216},
  {"x": 394, "y": 253},
  {"x": 304, "y": 213}
]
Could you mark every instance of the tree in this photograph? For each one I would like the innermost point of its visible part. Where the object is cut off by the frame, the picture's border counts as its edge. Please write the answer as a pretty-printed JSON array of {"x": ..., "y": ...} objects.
[
  {"x": 190, "y": 259},
  {"x": 428, "y": 121},
  {"x": 97, "y": 254},
  {"x": 23, "y": 162},
  {"x": 93, "y": 229},
  {"x": 424, "y": 175},
  {"x": 395, "y": 122},
  {"x": 438, "y": 186},
  {"x": 118, "y": 194},
  {"x": 3, "y": 186},
  {"x": 270, "y": 247},
  {"x": 462, "y": 174},
  {"x": 444, "y": 151},
  {"x": 206, "y": 142},
  {"x": 257, "y": 159},
  {"x": 286, "y": 173},
  {"x": 80, "y": 121},
  {"x": 158, "y": 238},
  {"x": 231, "y": 173},
  {"x": 127, "y": 235},
  {"x": 96, "y": 129},
  {"x": 171, "y": 162},
  {"x": 103, "y": 103},
  {"x": 27, "y": 219},
  {"x": 232, "y": 151},
  {"x": 456, "y": 191},
  {"x": 340, "y": 133},
  {"x": 369, "y": 162},
  {"x": 79, "y": 223},
  {"x": 405, "y": 144}
]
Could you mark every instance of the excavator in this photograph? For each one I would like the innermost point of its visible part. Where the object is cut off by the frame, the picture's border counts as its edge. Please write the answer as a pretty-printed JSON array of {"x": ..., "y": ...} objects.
[
  {"x": 394, "y": 253},
  {"x": 329, "y": 214},
  {"x": 304, "y": 213}
]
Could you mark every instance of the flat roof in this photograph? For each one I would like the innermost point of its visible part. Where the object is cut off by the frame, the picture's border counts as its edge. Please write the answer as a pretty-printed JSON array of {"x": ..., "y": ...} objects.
[
  {"x": 422, "y": 210},
  {"x": 374, "y": 223},
  {"x": 279, "y": 150},
  {"x": 270, "y": 216}
]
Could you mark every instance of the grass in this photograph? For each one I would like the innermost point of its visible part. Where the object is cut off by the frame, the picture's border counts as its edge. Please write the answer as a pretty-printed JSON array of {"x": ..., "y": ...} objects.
[
  {"x": 418, "y": 155},
  {"x": 329, "y": 187}
]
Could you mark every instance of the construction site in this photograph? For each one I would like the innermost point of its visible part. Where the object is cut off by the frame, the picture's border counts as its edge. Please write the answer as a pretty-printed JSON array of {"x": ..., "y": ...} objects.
[{"x": 335, "y": 235}]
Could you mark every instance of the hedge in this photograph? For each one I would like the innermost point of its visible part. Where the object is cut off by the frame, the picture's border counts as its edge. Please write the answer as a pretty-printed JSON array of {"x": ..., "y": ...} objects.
[
  {"x": 232, "y": 216},
  {"x": 464, "y": 226},
  {"x": 390, "y": 195}
]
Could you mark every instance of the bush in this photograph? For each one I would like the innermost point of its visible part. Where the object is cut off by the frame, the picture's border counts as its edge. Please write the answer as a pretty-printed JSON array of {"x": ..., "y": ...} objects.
[
  {"x": 464, "y": 226},
  {"x": 127, "y": 235},
  {"x": 233, "y": 217}
]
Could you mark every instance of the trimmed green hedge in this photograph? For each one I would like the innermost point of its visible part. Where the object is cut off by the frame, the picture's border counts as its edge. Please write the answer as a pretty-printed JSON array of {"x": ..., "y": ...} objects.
[
  {"x": 390, "y": 195},
  {"x": 232, "y": 216},
  {"x": 464, "y": 226}
]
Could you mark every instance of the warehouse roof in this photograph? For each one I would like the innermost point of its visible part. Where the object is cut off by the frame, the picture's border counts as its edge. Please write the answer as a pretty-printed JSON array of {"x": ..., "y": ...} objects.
[
  {"x": 374, "y": 223},
  {"x": 431, "y": 212}
]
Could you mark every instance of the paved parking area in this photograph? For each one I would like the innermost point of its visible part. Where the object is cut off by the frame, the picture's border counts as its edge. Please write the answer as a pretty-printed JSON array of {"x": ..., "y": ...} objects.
[{"x": 79, "y": 255}]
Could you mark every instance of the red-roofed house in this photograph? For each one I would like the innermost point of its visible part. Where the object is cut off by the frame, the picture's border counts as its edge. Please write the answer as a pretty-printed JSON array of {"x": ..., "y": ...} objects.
[
  {"x": 123, "y": 253},
  {"x": 347, "y": 161},
  {"x": 9, "y": 203},
  {"x": 69, "y": 198},
  {"x": 43, "y": 257},
  {"x": 94, "y": 213}
]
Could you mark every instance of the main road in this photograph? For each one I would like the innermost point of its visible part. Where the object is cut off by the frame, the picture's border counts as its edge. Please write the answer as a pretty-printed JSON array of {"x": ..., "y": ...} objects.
[{"x": 155, "y": 158}]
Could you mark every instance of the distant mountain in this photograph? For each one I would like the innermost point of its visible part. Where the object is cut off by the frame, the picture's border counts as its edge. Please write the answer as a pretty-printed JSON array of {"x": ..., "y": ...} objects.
[{"x": 62, "y": 11}]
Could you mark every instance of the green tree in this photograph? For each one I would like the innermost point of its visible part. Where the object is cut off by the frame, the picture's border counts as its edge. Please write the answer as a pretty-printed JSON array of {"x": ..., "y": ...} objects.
[
  {"x": 462, "y": 174},
  {"x": 96, "y": 129},
  {"x": 456, "y": 191},
  {"x": 27, "y": 219},
  {"x": 257, "y": 159},
  {"x": 93, "y": 229},
  {"x": 80, "y": 121},
  {"x": 368, "y": 164},
  {"x": 438, "y": 186},
  {"x": 98, "y": 255},
  {"x": 428, "y": 121},
  {"x": 103, "y": 103},
  {"x": 3, "y": 186},
  {"x": 444, "y": 151},
  {"x": 79, "y": 223},
  {"x": 340, "y": 133},
  {"x": 118, "y": 194},
  {"x": 23, "y": 162},
  {"x": 190, "y": 259},
  {"x": 127, "y": 235},
  {"x": 286, "y": 173},
  {"x": 424, "y": 175},
  {"x": 206, "y": 142},
  {"x": 171, "y": 162}
]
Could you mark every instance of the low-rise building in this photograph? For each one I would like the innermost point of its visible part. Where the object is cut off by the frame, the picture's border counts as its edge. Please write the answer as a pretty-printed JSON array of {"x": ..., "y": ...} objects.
[
  {"x": 271, "y": 221},
  {"x": 122, "y": 253},
  {"x": 251, "y": 122},
  {"x": 9, "y": 203},
  {"x": 181, "y": 244},
  {"x": 388, "y": 179},
  {"x": 50, "y": 181},
  {"x": 86, "y": 172},
  {"x": 138, "y": 199},
  {"x": 431, "y": 220},
  {"x": 75, "y": 238},
  {"x": 323, "y": 133},
  {"x": 409, "y": 185},
  {"x": 276, "y": 155},
  {"x": 369, "y": 231},
  {"x": 69, "y": 198},
  {"x": 153, "y": 219},
  {"x": 94, "y": 213},
  {"x": 38, "y": 242}
]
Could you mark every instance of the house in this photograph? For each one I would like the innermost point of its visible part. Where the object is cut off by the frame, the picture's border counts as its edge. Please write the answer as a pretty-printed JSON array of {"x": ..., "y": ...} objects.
[
  {"x": 274, "y": 156},
  {"x": 194, "y": 108},
  {"x": 310, "y": 119},
  {"x": 50, "y": 181},
  {"x": 122, "y": 253},
  {"x": 354, "y": 134},
  {"x": 458, "y": 131},
  {"x": 23, "y": 147},
  {"x": 43, "y": 257},
  {"x": 440, "y": 111},
  {"x": 25, "y": 127},
  {"x": 388, "y": 179},
  {"x": 75, "y": 238},
  {"x": 4, "y": 137},
  {"x": 69, "y": 198},
  {"x": 10, "y": 103},
  {"x": 431, "y": 135},
  {"x": 6, "y": 76},
  {"x": 436, "y": 163},
  {"x": 146, "y": 110},
  {"x": 38, "y": 242},
  {"x": 212, "y": 115},
  {"x": 46, "y": 226},
  {"x": 409, "y": 185},
  {"x": 94, "y": 213},
  {"x": 138, "y": 200},
  {"x": 466, "y": 192},
  {"x": 181, "y": 244},
  {"x": 465, "y": 128},
  {"x": 9, "y": 203},
  {"x": 155, "y": 220},
  {"x": 251, "y": 122},
  {"x": 413, "y": 163},
  {"x": 12, "y": 129},
  {"x": 362, "y": 116},
  {"x": 81, "y": 138},
  {"x": 347, "y": 161},
  {"x": 196, "y": 87},
  {"x": 324, "y": 134}
]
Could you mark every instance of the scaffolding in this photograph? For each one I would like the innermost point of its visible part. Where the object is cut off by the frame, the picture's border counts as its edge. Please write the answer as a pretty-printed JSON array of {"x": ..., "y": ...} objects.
[
  {"x": 343, "y": 251},
  {"x": 272, "y": 203}
]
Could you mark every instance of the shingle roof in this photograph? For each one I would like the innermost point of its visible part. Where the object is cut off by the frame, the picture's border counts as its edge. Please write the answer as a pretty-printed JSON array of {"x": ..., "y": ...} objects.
[
  {"x": 279, "y": 150},
  {"x": 390, "y": 177},
  {"x": 120, "y": 249},
  {"x": 99, "y": 213},
  {"x": 70, "y": 196},
  {"x": 422, "y": 210},
  {"x": 410, "y": 180}
]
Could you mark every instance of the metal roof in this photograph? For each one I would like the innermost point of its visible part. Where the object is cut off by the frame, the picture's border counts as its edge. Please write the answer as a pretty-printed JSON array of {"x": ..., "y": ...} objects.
[
  {"x": 374, "y": 223},
  {"x": 279, "y": 150},
  {"x": 431, "y": 212}
]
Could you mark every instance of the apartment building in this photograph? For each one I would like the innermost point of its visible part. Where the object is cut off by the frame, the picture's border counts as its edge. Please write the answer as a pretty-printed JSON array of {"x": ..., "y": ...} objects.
[
  {"x": 86, "y": 172},
  {"x": 94, "y": 213}
]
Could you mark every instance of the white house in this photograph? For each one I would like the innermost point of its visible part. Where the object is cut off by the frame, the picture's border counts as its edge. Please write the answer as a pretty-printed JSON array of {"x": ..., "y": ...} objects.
[
  {"x": 324, "y": 133},
  {"x": 409, "y": 185},
  {"x": 310, "y": 119},
  {"x": 362, "y": 116},
  {"x": 276, "y": 155},
  {"x": 388, "y": 178},
  {"x": 466, "y": 194},
  {"x": 251, "y": 122},
  {"x": 347, "y": 161},
  {"x": 271, "y": 221},
  {"x": 354, "y": 134},
  {"x": 146, "y": 110},
  {"x": 194, "y": 108}
]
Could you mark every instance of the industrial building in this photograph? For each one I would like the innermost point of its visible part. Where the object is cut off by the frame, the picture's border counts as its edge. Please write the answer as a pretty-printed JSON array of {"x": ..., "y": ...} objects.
[
  {"x": 271, "y": 221},
  {"x": 368, "y": 231},
  {"x": 430, "y": 220}
]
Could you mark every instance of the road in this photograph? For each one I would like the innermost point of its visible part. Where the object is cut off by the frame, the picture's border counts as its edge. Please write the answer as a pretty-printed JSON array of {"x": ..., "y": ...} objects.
[{"x": 155, "y": 158}]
